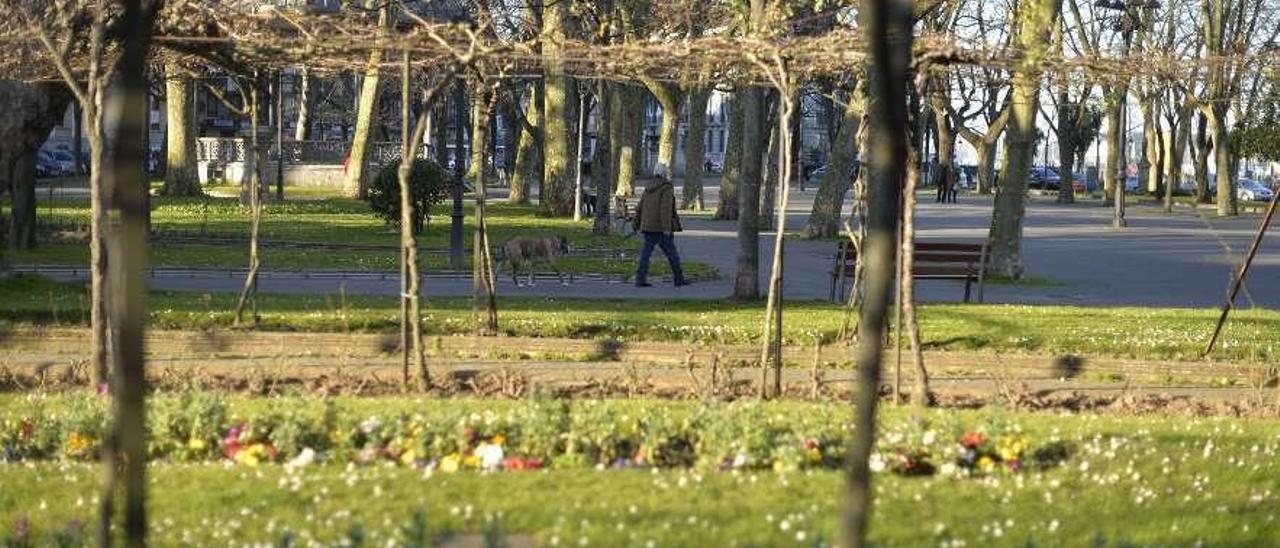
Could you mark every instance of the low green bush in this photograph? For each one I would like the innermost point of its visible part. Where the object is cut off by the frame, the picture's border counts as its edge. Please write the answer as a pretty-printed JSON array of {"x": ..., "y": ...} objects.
[{"x": 428, "y": 186}]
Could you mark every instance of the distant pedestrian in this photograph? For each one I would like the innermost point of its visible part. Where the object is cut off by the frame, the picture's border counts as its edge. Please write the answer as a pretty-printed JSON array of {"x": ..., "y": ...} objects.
[
  {"x": 953, "y": 185},
  {"x": 944, "y": 173},
  {"x": 657, "y": 220}
]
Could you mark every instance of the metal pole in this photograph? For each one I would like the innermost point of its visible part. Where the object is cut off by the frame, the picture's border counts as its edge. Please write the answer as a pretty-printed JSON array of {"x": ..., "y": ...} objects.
[
  {"x": 1244, "y": 271},
  {"x": 280, "y": 135},
  {"x": 582, "y": 137},
  {"x": 455, "y": 228}
]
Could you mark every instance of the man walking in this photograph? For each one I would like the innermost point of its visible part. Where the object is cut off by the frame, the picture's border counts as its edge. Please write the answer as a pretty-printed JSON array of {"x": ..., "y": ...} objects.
[{"x": 656, "y": 218}]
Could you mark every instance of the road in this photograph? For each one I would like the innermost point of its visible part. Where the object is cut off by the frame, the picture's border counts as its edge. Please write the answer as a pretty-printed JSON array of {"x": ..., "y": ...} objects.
[{"x": 1180, "y": 260}]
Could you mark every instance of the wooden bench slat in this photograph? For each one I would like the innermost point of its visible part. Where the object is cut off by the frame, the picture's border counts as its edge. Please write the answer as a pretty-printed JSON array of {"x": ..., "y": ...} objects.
[
  {"x": 928, "y": 257},
  {"x": 959, "y": 271},
  {"x": 948, "y": 246},
  {"x": 932, "y": 260}
]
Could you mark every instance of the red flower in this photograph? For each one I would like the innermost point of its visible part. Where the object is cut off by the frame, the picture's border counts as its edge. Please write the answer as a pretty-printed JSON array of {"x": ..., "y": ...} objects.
[
  {"x": 972, "y": 439},
  {"x": 522, "y": 463}
]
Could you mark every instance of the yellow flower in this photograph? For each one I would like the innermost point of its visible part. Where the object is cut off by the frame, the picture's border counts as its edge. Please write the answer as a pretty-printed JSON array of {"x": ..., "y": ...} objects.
[
  {"x": 196, "y": 444},
  {"x": 247, "y": 456},
  {"x": 408, "y": 457},
  {"x": 499, "y": 439},
  {"x": 986, "y": 463},
  {"x": 1011, "y": 448},
  {"x": 78, "y": 445},
  {"x": 471, "y": 461},
  {"x": 450, "y": 464}
]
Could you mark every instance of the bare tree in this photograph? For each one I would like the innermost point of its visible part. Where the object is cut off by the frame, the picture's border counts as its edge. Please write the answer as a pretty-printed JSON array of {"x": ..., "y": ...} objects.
[
  {"x": 370, "y": 93},
  {"x": 130, "y": 249},
  {"x": 824, "y": 220},
  {"x": 1036, "y": 21},
  {"x": 695, "y": 149},
  {"x": 888, "y": 27},
  {"x": 180, "y": 177},
  {"x": 44, "y": 20}
]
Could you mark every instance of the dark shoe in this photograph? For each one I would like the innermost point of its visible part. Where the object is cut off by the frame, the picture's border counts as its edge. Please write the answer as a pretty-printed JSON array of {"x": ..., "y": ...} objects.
[
  {"x": 683, "y": 283},
  {"x": 643, "y": 284}
]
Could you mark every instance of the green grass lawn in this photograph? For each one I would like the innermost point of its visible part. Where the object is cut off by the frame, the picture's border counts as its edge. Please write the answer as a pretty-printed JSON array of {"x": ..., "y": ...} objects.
[
  {"x": 1153, "y": 333},
  {"x": 330, "y": 220},
  {"x": 1125, "y": 481}
]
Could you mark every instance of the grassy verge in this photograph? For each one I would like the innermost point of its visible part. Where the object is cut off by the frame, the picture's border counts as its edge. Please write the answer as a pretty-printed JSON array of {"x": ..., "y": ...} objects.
[
  {"x": 330, "y": 220},
  {"x": 1148, "y": 333},
  {"x": 1126, "y": 481}
]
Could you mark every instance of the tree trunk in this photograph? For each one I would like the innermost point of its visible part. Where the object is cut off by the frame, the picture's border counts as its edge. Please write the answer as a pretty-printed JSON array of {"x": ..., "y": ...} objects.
[
  {"x": 986, "y": 165},
  {"x": 1226, "y": 199},
  {"x": 602, "y": 170},
  {"x": 21, "y": 169},
  {"x": 946, "y": 139},
  {"x": 670, "y": 98},
  {"x": 181, "y": 177},
  {"x": 1175, "y": 143},
  {"x": 1200, "y": 163},
  {"x": 920, "y": 397},
  {"x": 769, "y": 181},
  {"x": 557, "y": 175},
  {"x": 302, "y": 129},
  {"x": 828, "y": 203},
  {"x": 31, "y": 110},
  {"x": 1151, "y": 150},
  {"x": 695, "y": 150},
  {"x": 484, "y": 310},
  {"x": 887, "y": 25},
  {"x": 1068, "y": 128},
  {"x": 1036, "y": 21},
  {"x": 747, "y": 280},
  {"x": 731, "y": 171},
  {"x": 1115, "y": 144},
  {"x": 129, "y": 246},
  {"x": 249, "y": 293},
  {"x": 510, "y": 117},
  {"x": 366, "y": 111},
  {"x": 771, "y": 354},
  {"x": 630, "y": 124},
  {"x": 358, "y": 160},
  {"x": 528, "y": 152}
]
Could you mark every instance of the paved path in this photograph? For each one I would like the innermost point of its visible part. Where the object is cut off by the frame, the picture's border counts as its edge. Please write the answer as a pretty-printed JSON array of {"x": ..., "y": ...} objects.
[{"x": 1177, "y": 260}]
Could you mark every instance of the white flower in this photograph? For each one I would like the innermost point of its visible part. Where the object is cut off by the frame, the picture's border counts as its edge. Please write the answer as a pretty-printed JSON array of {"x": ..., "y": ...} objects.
[
  {"x": 877, "y": 464},
  {"x": 490, "y": 455},
  {"x": 304, "y": 458},
  {"x": 929, "y": 437}
]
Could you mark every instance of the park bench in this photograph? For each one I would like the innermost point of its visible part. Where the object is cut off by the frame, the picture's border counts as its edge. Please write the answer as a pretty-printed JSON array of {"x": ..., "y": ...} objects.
[
  {"x": 623, "y": 215},
  {"x": 933, "y": 261}
]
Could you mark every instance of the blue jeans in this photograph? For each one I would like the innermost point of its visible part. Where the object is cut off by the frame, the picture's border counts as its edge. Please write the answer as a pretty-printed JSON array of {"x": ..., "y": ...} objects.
[{"x": 668, "y": 244}]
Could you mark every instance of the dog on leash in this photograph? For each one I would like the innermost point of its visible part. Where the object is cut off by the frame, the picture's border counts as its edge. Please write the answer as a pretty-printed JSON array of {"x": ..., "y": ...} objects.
[{"x": 523, "y": 251}]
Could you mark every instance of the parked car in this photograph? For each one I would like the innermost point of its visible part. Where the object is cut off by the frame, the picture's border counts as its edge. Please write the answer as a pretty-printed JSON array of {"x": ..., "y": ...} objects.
[
  {"x": 1044, "y": 177},
  {"x": 1251, "y": 190},
  {"x": 55, "y": 163}
]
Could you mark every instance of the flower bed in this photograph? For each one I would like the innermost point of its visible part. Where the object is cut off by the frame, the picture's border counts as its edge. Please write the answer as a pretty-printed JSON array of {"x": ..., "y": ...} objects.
[{"x": 449, "y": 436}]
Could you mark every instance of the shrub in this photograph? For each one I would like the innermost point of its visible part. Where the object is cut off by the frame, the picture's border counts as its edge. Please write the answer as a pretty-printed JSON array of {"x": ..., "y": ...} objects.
[{"x": 428, "y": 185}]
